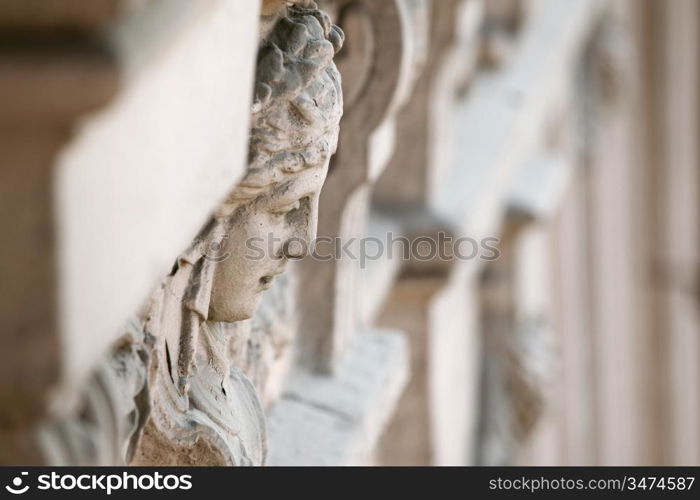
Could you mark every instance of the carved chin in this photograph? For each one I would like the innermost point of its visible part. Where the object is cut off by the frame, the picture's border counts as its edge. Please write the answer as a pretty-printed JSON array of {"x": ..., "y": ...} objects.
[{"x": 231, "y": 311}]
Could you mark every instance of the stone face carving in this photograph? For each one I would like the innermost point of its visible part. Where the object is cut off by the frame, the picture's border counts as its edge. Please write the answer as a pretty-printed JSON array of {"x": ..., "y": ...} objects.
[
  {"x": 204, "y": 408},
  {"x": 181, "y": 385},
  {"x": 503, "y": 19}
]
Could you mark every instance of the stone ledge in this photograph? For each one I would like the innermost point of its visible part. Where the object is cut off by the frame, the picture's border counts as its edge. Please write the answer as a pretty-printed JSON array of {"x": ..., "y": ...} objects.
[{"x": 324, "y": 420}]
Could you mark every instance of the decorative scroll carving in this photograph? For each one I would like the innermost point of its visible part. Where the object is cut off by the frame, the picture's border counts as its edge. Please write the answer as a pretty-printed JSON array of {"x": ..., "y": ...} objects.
[
  {"x": 106, "y": 427},
  {"x": 604, "y": 81}
]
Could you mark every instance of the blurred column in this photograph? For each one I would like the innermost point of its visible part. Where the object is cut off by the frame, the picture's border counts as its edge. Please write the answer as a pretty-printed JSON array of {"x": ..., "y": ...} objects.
[
  {"x": 428, "y": 301},
  {"x": 520, "y": 366},
  {"x": 668, "y": 182}
]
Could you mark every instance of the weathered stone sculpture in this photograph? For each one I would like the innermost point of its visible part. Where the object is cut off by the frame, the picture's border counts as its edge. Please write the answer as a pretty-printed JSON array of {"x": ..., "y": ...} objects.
[{"x": 204, "y": 409}]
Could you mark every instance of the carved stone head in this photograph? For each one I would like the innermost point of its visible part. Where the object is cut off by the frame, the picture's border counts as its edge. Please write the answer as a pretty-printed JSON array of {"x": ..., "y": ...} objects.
[{"x": 271, "y": 215}]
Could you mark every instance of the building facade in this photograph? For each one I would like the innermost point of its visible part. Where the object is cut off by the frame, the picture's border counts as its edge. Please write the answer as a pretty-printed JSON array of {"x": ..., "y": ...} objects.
[{"x": 350, "y": 232}]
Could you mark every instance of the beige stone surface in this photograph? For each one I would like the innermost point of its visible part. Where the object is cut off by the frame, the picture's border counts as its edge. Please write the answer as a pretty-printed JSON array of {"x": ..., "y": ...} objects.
[
  {"x": 330, "y": 421},
  {"x": 162, "y": 161}
]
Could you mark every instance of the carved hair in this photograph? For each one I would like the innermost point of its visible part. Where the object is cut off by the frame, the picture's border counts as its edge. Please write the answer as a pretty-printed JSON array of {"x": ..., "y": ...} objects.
[{"x": 298, "y": 101}]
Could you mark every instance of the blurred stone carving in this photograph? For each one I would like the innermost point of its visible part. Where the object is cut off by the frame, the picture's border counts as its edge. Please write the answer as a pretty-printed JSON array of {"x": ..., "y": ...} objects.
[
  {"x": 503, "y": 21},
  {"x": 425, "y": 124},
  {"x": 423, "y": 300},
  {"x": 519, "y": 353}
]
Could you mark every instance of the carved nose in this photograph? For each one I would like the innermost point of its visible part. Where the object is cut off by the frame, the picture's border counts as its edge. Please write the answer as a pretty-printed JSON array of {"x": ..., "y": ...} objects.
[{"x": 301, "y": 241}]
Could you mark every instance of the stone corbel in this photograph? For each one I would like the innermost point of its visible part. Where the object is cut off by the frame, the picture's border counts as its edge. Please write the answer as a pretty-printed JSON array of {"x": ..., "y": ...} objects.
[
  {"x": 519, "y": 348},
  {"x": 425, "y": 125},
  {"x": 429, "y": 290},
  {"x": 385, "y": 49},
  {"x": 606, "y": 72},
  {"x": 503, "y": 21}
]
